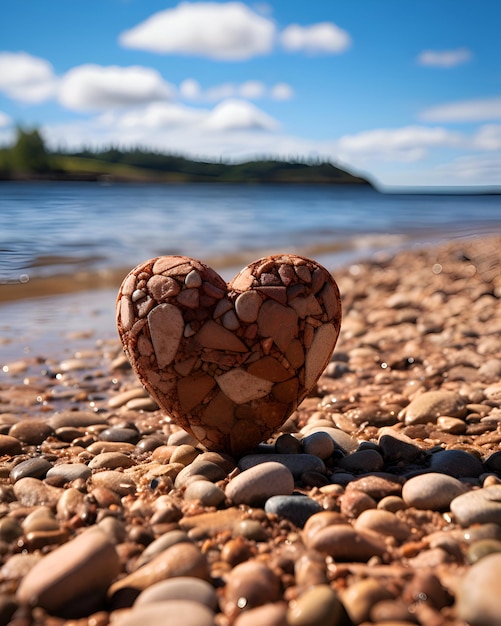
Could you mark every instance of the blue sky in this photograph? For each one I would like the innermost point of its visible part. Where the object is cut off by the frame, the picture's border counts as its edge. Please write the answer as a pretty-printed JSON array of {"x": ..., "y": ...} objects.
[{"x": 407, "y": 92}]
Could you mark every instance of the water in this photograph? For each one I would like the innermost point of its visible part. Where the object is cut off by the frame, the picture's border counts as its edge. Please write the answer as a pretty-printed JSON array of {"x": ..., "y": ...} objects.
[
  {"x": 66, "y": 238},
  {"x": 48, "y": 229}
]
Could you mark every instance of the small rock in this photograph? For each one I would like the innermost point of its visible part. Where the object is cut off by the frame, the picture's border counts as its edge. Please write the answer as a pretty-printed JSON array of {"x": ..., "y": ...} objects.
[
  {"x": 69, "y": 573},
  {"x": 383, "y": 522},
  {"x": 297, "y": 509},
  {"x": 180, "y": 588},
  {"x": 318, "y": 606},
  {"x": 173, "y": 612},
  {"x": 430, "y": 405},
  {"x": 480, "y": 506},
  {"x": 456, "y": 463},
  {"x": 181, "y": 559},
  {"x": 432, "y": 491},
  {"x": 37, "y": 467},
  {"x": 258, "y": 483},
  {"x": 479, "y": 592},
  {"x": 362, "y": 461},
  {"x": 206, "y": 492},
  {"x": 251, "y": 584}
]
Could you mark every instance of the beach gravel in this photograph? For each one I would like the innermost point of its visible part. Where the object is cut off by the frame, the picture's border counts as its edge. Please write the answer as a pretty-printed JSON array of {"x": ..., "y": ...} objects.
[{"x": 378, "y": 503}]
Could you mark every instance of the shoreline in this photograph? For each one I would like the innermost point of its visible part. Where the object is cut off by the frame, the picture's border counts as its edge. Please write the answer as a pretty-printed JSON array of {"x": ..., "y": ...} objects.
[{"x": 392, "y": 507}]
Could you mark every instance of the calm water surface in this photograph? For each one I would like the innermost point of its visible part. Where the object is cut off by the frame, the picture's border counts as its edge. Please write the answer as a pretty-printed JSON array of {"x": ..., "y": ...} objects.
[{"x": 53, "y": 228}]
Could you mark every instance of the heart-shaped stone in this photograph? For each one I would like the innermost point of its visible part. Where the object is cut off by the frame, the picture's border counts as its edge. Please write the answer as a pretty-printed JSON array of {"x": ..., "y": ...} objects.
[{"x": 229, "y": 362}]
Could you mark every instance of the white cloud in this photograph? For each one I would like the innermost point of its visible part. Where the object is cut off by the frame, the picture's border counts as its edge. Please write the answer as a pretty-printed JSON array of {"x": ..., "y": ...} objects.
[
  {"x": 482, "y": 110},
  {"x": 26, "y": 78},
  {"x": 94, "y": 87},
  {"x": 472, "y": 170},
  {"x": 488, "y": 137},
  {"x": 324, "y": 37},
  {"x": 191, "y": 90},
  {"x": 252, "y": 90},
  {"x": 444, "y": 58},
  {"x": 409, "y": 143},
  {"x": 281, "y": 91},
  {"x": 157, "y": 115},
  {"x": 229, "y": 31},
  {"x": 234, "y": 114},
  {"x": 5, "y": 120}
]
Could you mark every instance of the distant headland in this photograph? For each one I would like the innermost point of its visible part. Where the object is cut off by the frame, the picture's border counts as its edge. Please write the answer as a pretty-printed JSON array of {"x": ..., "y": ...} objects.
[{"x": 29, "y": 159}]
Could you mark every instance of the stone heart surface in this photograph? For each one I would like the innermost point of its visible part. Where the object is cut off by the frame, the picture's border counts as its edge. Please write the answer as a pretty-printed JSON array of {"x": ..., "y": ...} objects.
[{"x": 230, "y": 362}]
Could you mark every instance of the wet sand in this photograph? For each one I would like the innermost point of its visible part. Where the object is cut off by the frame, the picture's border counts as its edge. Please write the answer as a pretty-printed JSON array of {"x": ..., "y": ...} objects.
[{"x": 394, "y": 514}]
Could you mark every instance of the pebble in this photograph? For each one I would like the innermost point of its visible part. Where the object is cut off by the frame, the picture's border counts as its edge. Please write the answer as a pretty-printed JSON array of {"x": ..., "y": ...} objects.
[
  {"x": 396, "y": 446},
  {"x": 479, "y": 506},
  {"x": 362, "y": 461},
  {"x": 430, "y": 405},
  {"x": 297, "y": 509},
  {"x": 318, "y": 606},
  {"x": 172, "y": 612},
  {"x": 37, "y": 467},
  {"x": 70, "y": 471},
  {"x": 456, "y": 463},
  {"x": 160, "y": 544},
  {"x": 479, "y": 592},
  {"x": 343, "y": 441},
  {"x": 343, "y": 542},
  {"x": 114, "y": 480},
  {"x": 31, "y": 431},
  {"x": 180, "y": 559},
  {"x": 319, "y": 444},
  {"x": 377, "y": 487},
  {"x": 206, "y": 492},
  {"x": 33, "y": 492},
  {"x": 432, "y": 491},
  {"x": 272, "y": 614},
  {"x": 352, "y": 503},
  {"x": 180, "y": 588},
  {"x": 110, "y": 460},
  {"x": 69, "y": 573},
  {"x": 10, "y": 529},
  {"x": 479, "y": 549},
  {"x": 383, "y": 522},
  {"x": 251, "y": 584},
  {"x": 359, "y": 598},
  {"x": 9, "y": 446},
  {"x": 41, "y": 518},
  {"x": 298, "y": 464},
  {"x": 261, "y": 481}
]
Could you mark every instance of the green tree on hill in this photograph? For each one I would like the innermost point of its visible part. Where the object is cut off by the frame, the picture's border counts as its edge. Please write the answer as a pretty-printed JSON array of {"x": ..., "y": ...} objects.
[{"x": 28, "y": 153}]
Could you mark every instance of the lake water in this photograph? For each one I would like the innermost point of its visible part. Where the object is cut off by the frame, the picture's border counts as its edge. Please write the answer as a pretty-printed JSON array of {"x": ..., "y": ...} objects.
[
  {"x": 52, "y": 228},
  {"x": 51, "y": 232}
]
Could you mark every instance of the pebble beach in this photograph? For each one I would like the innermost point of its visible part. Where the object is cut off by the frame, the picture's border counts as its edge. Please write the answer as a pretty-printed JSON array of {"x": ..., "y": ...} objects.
[{"x": 377, "y": 503}]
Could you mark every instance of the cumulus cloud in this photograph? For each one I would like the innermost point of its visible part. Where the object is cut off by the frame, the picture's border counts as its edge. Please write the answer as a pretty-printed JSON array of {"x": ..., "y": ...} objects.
[
  {"x": 324, "y": 37},
  {"x": 444, "y": 58},
  {"x": 282, "y": 91},
  {"x": 26, "y": 78},
  {"x": 229, "y": 31},
  {"x": 472, "y": 170},
  {"x": 190, "y": 89},
  {"x": 234, "y": 114},
  {"x": 94, "y": 87},
  {"x": 482, "y": 110},
  {"x": 5, "y": 120},
  {"x": 488, "y": 137},
  {"x": 158, "y": 115},
  {"x": 409, "y": 143}
]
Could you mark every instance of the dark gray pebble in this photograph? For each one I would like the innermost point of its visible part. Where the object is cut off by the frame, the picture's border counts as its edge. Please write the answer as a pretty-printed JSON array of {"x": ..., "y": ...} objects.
[
  {"x": 457, "y": 463},
  {"x": 36, "y": 467},
  {"x": 296, "y": 508}
]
